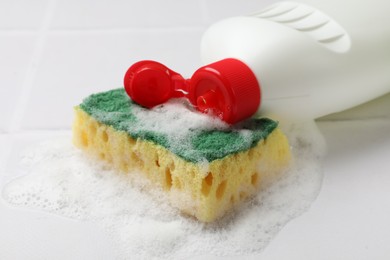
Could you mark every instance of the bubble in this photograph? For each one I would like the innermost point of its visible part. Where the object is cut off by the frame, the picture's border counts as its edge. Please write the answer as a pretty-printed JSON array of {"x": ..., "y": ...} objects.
[{"x": 138, "y": 219}]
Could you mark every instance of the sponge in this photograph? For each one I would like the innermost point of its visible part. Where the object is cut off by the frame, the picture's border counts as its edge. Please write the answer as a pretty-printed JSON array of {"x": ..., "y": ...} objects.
[{"x": 205, "y": 166}]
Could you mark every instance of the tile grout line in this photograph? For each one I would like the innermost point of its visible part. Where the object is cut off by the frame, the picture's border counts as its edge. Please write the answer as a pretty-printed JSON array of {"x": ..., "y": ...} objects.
[
  {"x": 128, "y": 29},
  {"x": 35, "y": 60},
  {"x": 205, "y": 12},
  {"x": 27, "y": 84},
  {"x": 109, "y": 30},
  {"x": 38, "y": 132},
  {"x": 17, "y": 31}
]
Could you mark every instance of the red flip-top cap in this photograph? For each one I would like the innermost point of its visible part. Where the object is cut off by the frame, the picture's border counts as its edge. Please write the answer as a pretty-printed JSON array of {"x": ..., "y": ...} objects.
[
  {"x": 150, "y": 83},
  {"x": 227, "y": 88}
]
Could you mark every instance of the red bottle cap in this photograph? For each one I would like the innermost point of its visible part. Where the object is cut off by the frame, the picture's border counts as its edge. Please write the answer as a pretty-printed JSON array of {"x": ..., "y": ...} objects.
[
  {"x": 150, "y": 83},
  {"x": 227, "y": 88}
]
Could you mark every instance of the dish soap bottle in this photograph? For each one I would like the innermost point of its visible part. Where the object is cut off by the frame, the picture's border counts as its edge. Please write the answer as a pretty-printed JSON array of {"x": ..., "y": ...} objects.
[{"x": 299, "y": 60}]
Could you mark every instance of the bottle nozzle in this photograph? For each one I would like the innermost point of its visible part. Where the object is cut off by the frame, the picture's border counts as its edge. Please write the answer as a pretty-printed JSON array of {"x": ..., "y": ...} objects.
[{"x": 207, "y": 102}]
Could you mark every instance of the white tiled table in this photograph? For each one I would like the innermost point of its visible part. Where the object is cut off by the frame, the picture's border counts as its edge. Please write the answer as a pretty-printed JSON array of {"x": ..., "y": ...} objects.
[{"x": 55, "y": 52}]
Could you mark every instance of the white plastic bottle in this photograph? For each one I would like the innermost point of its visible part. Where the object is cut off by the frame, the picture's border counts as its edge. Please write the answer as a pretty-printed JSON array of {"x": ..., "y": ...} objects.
[{"x": 311, "y": 58}]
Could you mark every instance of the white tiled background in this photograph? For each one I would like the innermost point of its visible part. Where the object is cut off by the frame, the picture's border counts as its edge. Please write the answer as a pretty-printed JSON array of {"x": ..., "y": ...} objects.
[{"x": 55, "y": 52}]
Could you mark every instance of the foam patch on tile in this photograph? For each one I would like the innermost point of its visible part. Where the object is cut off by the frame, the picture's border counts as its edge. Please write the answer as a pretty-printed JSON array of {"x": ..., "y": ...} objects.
[{"x": 138, "y": 218}]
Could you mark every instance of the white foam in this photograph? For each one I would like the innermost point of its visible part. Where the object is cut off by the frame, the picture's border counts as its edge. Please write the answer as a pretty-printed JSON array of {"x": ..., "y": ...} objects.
[
  {"x": 176, "y": 119},
  {"x": 142, "y": 225}
]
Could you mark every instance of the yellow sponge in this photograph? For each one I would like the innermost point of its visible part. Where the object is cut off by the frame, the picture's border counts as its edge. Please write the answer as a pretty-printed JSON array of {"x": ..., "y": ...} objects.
[{"x": 205, "y": 190}]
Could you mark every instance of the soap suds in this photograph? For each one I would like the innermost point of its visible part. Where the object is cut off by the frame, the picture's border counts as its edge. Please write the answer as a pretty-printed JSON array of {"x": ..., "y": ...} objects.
[
  {"x": 176, "y": 118},
  {"x": 176, "y": 121},
  {"x": 176, "y": 125},
  {"x": 61, "y": 180}
]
